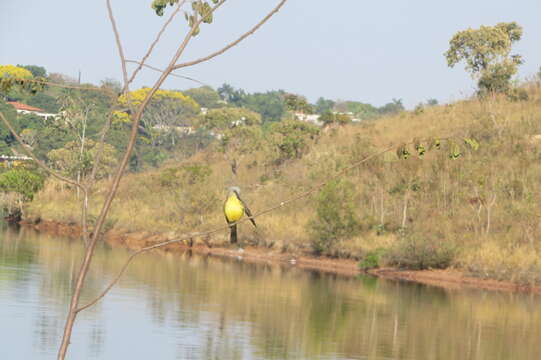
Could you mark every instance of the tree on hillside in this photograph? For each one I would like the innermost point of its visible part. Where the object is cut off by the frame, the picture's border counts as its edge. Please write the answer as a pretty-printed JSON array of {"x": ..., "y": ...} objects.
[
  {"x": 395, "y": 106},
  {"x": 112, "y": 84},
  {"x": 487, "y": 54},
  {"x": 432, "y": 102},
  {"x": 330, "y": 118},
  {"x": 228, "y": 117},
  {"x": 291, "y": 139},
  {"x": 362, "y": 111},
  {"x": 231, "y": 95},
  {"x": 205, "y": 96},
  {"x": 43, "y": 101},
  {"x": 270, "y": 105},
  {"x": 62, "y": 79},
  {"x": 37, "y": 71},
  {"x": 324, "y": 105},
  {"x": 167, "y": 117},
  {"x": 14, "y": 79},
  {"x": 70, "y": 161},
  {"x": 298, "y": 104},
  {"x": 238, "y": 130}
]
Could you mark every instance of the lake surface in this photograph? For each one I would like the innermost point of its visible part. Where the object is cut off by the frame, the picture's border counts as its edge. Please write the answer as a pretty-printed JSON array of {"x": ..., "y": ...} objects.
[{"x": 194, "y": 307}]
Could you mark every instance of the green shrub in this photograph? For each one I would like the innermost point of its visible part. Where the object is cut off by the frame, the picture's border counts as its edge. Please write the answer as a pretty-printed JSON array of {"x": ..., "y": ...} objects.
[
  {"x": 372, "y": 259},
  {"x": 419, "y": 253},
  {"x": 336, "y": 219},
  {"x": 291, "y": 138},
  {"x": 22, "y": 181}
]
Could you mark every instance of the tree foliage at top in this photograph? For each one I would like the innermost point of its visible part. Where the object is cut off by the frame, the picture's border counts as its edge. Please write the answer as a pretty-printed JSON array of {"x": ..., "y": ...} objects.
[
  {"x": 323, "y": 105},
  {"x": 228, "y": 117},
  {"x": 12, "y": 76},
  {"x": 205, "y": 96},
  {"x": 298, "y": 103},
  {"x": 487, "y": 54},
  {"x": 37, "y": 71},
  {"x": 201, "y": 11},
  {"x": 291, "y": 138},
  {"x": 22, "y": 181},
  {"x": 271, "y": 104},
  {"x": 393, "y": 107},
  {"x": 71, "y": 161}
]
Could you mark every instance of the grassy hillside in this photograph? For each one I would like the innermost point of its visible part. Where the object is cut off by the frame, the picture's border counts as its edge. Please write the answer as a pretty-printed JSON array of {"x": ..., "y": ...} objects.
[{"x": 458, "y": 204}]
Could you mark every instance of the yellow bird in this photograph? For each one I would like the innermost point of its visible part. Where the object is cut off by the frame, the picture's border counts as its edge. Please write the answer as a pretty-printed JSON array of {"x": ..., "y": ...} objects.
[{"x": 234, "y": 209}]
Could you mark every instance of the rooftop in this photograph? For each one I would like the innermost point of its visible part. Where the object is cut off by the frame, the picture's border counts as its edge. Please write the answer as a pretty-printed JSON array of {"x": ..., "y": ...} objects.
[{"x": 20, "y": 106}]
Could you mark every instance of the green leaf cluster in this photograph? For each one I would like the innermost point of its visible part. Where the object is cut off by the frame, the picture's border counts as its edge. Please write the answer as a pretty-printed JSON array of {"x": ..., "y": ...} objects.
[
  {"x": 291, "y": 138},
  {"x": 487, "y": 54},
  {"x": 229, "y": 117},
  {"x": 22, "y": 181}
]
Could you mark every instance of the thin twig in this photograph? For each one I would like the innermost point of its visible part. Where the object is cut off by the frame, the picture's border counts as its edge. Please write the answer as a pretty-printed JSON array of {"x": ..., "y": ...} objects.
[
  {"x": 155, "y": 42},
  {"x": 101, "y": 145},
  {"x": 172, "y": 74},
  {"x": 50, "y": 83},
  {"x": 72, "y": 314},
  {"x": 234, "y": 43},
  {"x": 70, "y": 320},
  {"x": 30, "y": 153}
]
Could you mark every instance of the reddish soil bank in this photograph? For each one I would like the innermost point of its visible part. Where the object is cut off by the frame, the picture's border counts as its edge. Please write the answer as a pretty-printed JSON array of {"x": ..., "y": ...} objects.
[{"x": 449, "y": 278}]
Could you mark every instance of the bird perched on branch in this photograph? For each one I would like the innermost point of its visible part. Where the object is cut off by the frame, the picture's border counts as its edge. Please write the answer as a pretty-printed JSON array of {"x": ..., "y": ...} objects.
[{"x": 234, "y": 209}]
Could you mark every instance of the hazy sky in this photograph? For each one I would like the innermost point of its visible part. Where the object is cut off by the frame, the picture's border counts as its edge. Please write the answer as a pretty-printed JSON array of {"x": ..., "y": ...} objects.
[{"x": 370, "y": 51}]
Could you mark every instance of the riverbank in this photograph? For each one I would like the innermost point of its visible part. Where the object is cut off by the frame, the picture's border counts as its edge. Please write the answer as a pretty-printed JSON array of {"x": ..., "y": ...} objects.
[{"x": 450, "y": 279}]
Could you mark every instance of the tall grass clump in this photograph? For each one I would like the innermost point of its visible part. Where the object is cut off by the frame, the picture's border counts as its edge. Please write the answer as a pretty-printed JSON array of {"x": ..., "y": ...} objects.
[{"x": 418, "y": 252}]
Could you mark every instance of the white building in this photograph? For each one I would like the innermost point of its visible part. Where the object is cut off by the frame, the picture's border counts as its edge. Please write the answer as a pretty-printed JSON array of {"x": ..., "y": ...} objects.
[
  {"x": 27, "y": 109},
  {"x": 311, "y": 118}
]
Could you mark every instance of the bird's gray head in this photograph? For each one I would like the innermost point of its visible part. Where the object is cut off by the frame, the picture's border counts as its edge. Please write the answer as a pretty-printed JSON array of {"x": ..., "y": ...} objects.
[{"x": 234, "y": 189}]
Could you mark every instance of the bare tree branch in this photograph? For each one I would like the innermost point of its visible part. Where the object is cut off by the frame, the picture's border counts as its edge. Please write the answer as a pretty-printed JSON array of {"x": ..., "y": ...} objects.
[
  {"x": 50, "y": 83},
  {"x": 120, "y": 171},
  {"x": 172, "y": 74},
  {"x": 160, "y": 33},
  {"x": 234, "y": 43},
  {"x": 101, "y": 145}
]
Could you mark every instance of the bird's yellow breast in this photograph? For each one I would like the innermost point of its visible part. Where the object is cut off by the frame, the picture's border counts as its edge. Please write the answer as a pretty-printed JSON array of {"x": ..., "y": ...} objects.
[{"x": 233, "y": 209}]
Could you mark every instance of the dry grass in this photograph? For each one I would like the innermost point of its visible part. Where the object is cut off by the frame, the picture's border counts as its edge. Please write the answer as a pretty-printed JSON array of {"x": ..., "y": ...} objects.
[{"x": 486, "y": 203}]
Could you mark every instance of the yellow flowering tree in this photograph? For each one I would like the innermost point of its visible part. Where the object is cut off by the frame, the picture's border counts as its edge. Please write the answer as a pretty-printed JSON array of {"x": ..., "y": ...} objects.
[
  {"x": 11, "y": 75},
  {"x": 169, "y": 115}
]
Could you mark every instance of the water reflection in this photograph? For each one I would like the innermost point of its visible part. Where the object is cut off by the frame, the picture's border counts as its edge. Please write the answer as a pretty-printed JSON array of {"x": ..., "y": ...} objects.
[{"x": 194, "y": 307}]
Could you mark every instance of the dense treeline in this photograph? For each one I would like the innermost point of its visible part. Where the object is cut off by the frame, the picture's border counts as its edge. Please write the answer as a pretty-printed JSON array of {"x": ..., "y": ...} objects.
[{"x": 173, "y": 115}]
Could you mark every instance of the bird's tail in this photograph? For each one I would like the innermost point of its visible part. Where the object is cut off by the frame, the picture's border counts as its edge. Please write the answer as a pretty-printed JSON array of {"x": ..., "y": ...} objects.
[{"x": 233, "y": 238}]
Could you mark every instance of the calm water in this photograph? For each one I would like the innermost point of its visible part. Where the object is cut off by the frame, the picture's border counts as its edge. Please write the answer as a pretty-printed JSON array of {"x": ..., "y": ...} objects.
[{"x": 181, "y": 307}]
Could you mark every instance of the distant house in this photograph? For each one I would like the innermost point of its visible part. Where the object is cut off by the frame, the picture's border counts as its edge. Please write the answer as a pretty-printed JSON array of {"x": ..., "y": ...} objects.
[
  {"x": 27, "y": 109},
  {"x": 311, "y": 118},
  {"x": 184, "y": 129}
]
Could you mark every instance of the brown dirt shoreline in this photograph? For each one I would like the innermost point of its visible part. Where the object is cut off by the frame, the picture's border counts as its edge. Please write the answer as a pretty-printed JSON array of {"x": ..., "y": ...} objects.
[{"x": 450, "y": 279}]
